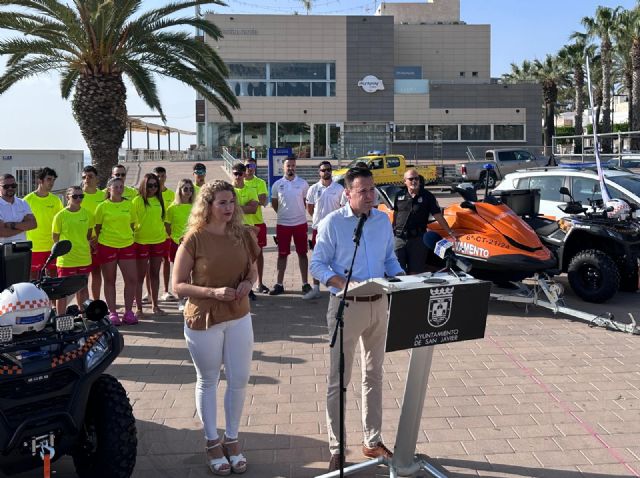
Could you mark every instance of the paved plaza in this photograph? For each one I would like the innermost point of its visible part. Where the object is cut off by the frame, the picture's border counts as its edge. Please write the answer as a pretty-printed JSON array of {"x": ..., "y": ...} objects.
[{"x": 537, "y": 397}]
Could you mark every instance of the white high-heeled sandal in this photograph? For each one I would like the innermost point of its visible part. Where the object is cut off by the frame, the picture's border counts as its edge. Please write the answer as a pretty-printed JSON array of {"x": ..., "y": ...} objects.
[
  {"x": 238, "y": 462},
  {"x": 217, "y": 465}
]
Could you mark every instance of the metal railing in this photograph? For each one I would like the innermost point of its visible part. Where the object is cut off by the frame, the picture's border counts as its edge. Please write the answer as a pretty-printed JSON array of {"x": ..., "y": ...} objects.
[
  {"x": 564, "y": 147},
  {"x": 229, "y": 159},
  {"x": 143, "y": 155}
]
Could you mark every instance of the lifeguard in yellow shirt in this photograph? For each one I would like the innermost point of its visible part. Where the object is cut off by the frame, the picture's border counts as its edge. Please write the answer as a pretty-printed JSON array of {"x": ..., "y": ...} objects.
[
  {"x": 150, "y": 239},
  {"x": 75, "y": 224},
  {"x": 92, "y": 197},
  {"x": 44, "y": 206}
]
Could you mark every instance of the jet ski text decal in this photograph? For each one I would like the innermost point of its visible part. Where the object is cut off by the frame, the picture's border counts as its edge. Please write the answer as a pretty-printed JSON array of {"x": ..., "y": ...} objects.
[{"x": 471, "y": 250}]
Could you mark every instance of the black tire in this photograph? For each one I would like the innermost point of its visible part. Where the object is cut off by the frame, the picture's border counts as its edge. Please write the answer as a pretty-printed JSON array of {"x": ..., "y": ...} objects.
[
  {"x": 593, "y": 276},
  {"x": 490, "y": 177},
  {"x": 109, "y": 444}
]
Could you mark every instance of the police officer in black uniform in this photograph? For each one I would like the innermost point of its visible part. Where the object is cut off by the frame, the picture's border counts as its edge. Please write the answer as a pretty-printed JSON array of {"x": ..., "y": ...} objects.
[{"x": 412, "y": 207}]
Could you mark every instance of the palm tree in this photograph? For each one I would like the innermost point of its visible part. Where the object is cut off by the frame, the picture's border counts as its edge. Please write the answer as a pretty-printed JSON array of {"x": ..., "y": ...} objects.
[
  {"x": 622, "y": 63},
  {"x": 94, "y": 43},
  {"x": 551, "y": 74},
  {"x": 634, "y": 100},
  {"x": 573, "y": 57},
  {"x": 602, "y": 25},
  {"x": 307, "y": 5}
]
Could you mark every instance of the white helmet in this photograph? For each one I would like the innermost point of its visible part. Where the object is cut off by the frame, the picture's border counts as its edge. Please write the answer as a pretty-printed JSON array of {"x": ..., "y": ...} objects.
[
  {"x": 620, "y": 209},
  {"x": 25, "y": 307}
]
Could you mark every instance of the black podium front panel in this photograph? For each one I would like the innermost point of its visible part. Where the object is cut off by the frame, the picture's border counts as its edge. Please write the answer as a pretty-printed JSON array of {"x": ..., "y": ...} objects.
[{"x": 437, "y": 315}]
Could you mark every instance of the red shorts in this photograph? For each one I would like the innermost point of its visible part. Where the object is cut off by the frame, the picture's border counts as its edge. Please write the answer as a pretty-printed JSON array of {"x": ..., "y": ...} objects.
[
  {"x": 95, "y": 260},
  {"x": 74, "y": 271},
  {"x": 173, "y": 250},
  {"x": 262, "y": 234},
  {"x": 108, "y": 254},
  {"x": 299, "y": 234},
  {"x": 167, "y": 248},
  {"x": 38, "y": 259},
  {"x": 145, "y": 251},
  {"x": 314, "y": 234}
]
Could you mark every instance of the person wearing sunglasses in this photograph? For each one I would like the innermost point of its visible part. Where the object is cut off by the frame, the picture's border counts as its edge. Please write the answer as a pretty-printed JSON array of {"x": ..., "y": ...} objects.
[
  {"x": 15, "y": 214},
  {"x": 119, "y": 171},
  {"x": 92, "y": 197},
  {"x": 75, "y": 224},
  {"x": 247, "y": 198},
  {"x": 176, "y": 219},
  {"x": 44, "y": 206},
  {"x": 323, "y": 197},
  {"x": 260, "y": 185},
  {"x": 412, "y": 207},
  {"x": 150, "y": 238},
  {"x": 168, "y": 196}
]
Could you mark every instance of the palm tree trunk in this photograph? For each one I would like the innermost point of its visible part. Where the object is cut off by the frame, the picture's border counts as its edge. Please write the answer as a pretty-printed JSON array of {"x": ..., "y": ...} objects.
[
  {"x": 578, "y": 78},
  {"x": 99, "y": 107},
  {"x": 628, "y": 86},
  {"x": 634, "y": 104},
  {"x": 550, "y": 95},
  {"x": 606, "y": 95}
]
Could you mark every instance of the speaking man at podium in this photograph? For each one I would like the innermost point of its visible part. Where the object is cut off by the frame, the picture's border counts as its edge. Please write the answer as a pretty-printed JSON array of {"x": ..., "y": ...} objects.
[{"x": 365, "y": 318}]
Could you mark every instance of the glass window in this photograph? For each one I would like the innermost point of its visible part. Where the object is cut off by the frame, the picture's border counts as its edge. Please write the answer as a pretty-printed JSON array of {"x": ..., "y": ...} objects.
[
  {"x": 318, "y": 89},
  {"x": 585, "y": 189},
  {"x": 376, "y": 163},
  {"x": 522, "y": 183},
  {"x": 292, "y": 88},
  {"x": 332, "y": 89},
  {"x": 507, "y": 156},
  {"x": 475, "y": 132},
  {"x": 296, "y": 136},
  {"x": 630, "y": 183},
  {"x": 299, "y": 71},
  {"x": 393, "y": 162},
  {"x": 508, "y": 132},
  {"x": 549, "y": 187},
  {"x": 410, "y": 132},
  {"x": 332, "y": 71},
  {"x": 320, "y": 140},
  {"x": 227, "y": 135},
  {"x": 252, "y": 71},
  {"x": 524, "y": 156},
  {"x": 256, "y": 140},
  {"x": 447, "y": 132}
]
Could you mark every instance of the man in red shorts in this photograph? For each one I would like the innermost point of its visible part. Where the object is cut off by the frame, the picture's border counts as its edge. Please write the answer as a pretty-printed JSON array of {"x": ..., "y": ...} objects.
[
  {"x": 44, "y": 206},
  {"x": 254, "y": 182},
  {"x": 288, "y": 199}
]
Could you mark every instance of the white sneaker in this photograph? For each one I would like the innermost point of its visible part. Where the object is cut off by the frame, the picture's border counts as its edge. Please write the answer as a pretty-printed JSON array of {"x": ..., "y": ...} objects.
[
  {"x": 314, "y": 293},
  {"x": 168, "y": 297},
  {"x": 145, "y": 299},
  {"x": 181, "y": 304}
]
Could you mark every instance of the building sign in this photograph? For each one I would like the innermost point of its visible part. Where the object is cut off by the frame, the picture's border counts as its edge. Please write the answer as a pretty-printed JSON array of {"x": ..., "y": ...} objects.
[
  {"x": 371, "y": 84},
  {"x": 7, "y": 158},
  {"x": 240, "y": 31},
  {"x": 408, "y": 73}
]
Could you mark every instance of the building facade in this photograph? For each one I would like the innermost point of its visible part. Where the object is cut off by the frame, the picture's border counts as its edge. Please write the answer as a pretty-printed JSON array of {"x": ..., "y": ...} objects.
[{"x": 412, "y": 79}]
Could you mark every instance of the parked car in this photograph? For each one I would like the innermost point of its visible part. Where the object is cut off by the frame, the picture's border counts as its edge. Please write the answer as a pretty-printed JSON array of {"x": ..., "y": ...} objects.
[
  {"x": 582, "y": 182},
  {"x": 504, "y": 161},
  {"x": 387, "y": 168}
]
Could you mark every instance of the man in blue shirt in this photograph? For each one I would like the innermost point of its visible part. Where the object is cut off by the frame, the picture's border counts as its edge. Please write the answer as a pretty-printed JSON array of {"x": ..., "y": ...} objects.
[{"x": 365, "y": 319}]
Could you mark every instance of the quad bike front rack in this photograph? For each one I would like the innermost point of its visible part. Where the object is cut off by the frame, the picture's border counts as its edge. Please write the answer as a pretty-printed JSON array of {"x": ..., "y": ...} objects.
[{"x": 543, "y": 292}]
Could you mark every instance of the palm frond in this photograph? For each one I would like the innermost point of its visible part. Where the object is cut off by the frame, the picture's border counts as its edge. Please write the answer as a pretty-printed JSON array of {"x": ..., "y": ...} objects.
[{"x": 68, "y": 81}]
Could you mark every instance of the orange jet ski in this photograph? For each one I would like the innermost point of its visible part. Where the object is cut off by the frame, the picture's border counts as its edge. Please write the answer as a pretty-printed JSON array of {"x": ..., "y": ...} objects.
[{"x": 500, "y": 246}]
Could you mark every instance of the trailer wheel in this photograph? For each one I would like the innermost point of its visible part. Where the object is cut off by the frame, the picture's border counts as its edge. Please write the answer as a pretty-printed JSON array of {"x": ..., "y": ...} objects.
[{"x": 593, "y": 276}]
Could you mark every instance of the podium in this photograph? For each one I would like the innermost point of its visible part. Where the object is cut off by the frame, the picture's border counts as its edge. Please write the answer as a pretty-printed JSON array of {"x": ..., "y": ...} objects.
[{"x": 425, "y": 310}]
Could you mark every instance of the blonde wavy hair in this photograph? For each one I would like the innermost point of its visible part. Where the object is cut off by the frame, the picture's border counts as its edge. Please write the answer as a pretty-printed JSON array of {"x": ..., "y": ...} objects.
[
  {"x": 201, "y": 212},
  {"x": 179, "y": 199}
]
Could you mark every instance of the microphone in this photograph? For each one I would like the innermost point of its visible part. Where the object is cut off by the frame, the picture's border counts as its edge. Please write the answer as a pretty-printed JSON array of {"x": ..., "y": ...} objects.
[
  {"x": 444, "y": 250},
  {"x": 357, "y": 233}
]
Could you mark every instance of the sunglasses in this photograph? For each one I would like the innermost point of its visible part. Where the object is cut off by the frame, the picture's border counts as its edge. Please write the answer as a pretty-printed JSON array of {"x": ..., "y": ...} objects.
[
  {"x": 87, "y": 177},
  {"x": 77, "y": 196},
  {"x": 415, "y": 178},
  {"x": 152, "y": 185},
  {"x": 250, "y": 165},
  {"x": 9, "y": 186},
  {"x": 238, "y": 173},
  {"x": 325, "y": 170},
  {"x": 119, "y": 175}
]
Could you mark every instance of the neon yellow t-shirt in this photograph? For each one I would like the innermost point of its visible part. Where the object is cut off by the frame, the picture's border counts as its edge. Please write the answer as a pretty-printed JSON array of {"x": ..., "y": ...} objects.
[
  {"x": 260, "y": 187},
  {"x": 245, "y": 195},
  {"x": 115, "y": 219},
  {"x": 150, "y": 224},
  {"x": 74, "y": 227},
  {"x": 91, "y": 200},
  {"x": 177, "y": 217},
  {"x": 44, "y": 209},
  {"x": 196, "y": 189},
  {"x": 167, "y": 197}
]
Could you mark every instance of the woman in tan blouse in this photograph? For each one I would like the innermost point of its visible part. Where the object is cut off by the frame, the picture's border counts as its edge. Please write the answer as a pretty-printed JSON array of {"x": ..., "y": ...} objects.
[{"x": 215, "y": 268}]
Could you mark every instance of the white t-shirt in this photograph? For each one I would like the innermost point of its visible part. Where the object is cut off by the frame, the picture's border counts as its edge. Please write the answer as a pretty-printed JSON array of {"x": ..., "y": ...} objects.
[
  {"x": 290, "y": 196},
  {"x": 325, "y": 199},
  {"x": 14, "y": 212}
]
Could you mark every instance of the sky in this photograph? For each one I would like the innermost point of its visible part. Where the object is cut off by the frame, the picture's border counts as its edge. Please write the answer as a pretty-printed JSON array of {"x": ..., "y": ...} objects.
[{"x": 34, "y": 116}]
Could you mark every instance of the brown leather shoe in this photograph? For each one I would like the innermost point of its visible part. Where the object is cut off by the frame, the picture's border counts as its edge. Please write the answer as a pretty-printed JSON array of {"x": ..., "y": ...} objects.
[
  {"x": 377, "y": 451},
  {"x": 336, "y": 461}
]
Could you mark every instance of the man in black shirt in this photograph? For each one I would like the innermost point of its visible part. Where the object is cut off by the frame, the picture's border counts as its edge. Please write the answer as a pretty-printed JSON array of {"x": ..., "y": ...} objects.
[{"x": 412, "y": 207}]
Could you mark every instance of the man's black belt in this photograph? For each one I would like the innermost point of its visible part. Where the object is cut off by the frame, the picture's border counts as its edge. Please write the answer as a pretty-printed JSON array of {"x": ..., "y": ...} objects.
[
  {"x": 363, "y": 298},
  {"x": 409, "y": 234}
]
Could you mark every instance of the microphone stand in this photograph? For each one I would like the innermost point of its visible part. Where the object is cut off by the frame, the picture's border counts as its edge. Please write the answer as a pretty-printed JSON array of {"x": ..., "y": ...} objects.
[{"x": 340, "y": 327}]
